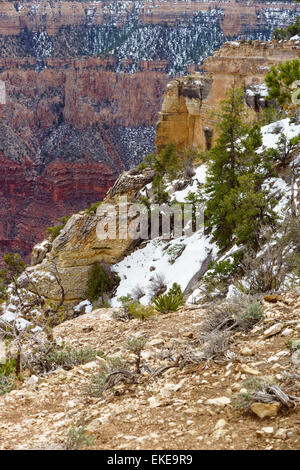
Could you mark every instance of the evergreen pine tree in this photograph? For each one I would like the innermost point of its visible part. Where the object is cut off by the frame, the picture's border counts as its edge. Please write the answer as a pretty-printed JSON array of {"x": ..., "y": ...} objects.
[{"x": 237, "y": 206}]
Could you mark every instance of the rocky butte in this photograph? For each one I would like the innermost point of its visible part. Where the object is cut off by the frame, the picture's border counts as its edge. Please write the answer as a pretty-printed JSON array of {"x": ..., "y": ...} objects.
[
  {"x": 186, "y": 114},
  {"x": 84, "y": 82}
]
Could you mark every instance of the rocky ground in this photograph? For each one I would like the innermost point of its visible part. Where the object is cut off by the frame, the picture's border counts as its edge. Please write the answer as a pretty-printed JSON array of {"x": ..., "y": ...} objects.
[{"x": 188, "y": 408}]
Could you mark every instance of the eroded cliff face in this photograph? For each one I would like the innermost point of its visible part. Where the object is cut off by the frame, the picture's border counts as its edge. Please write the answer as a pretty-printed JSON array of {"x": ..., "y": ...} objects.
[
  {"x": 66, "y": 133},
  {"x": 186, "y": 115},
  {"x": 84, "y": 82},
  {"x": 78, "y": 246}
]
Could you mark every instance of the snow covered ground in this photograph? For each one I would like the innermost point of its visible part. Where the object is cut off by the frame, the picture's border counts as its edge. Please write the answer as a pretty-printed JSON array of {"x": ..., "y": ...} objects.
[{"x": 157, "y": 256}]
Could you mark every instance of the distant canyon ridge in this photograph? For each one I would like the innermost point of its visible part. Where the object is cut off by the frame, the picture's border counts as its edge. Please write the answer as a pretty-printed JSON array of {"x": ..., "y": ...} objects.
[{"x": 84, "y": 83}]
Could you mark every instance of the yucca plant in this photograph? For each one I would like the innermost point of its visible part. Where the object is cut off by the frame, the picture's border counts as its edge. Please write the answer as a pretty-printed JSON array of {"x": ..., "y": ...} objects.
[{"x": 169, "y": 302}]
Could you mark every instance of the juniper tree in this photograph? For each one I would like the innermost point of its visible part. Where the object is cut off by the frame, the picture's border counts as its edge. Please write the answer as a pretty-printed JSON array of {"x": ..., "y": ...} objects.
[
  {"x": 101, "y": 280},
  {"x": 280, "y": 81},
  {"x": 290, "y": 31},
  {"x": 284, "y": 150},
  {"x": 236, "y": 204}
]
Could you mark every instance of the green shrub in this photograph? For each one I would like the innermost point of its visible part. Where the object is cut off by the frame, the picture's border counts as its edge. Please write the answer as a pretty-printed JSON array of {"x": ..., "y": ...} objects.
[
  {"x": 67, "y": 358},
  {"x": 176, "y": 290},
  {"x": 169, "y": 302},
  {"x": 77, "y": 438},
  {"x": 126, "y": 300},
  {"x": 243, "y": 400},
  {"x": 293, "y": 344},
  {"x": 101, "y": 280},
  {"x": 93, "y": 208},
  {"x": 141, "y": 312},
  {"x": 101, "y": 304},
  {"x": 55, "y": 231},
  {"x": 146, "y": 202},
  {"x": 134, "y": 309},
  {"x": 136, "y": 345},
  {"x": 95, "y": 386},
  {"x": 280, "y": 80},
  {"x": 251, "y": 314},
  {"x": 142, "y": 166},
  {"x": 7, "y": 376},
  {"x": 290, "y": 31},
  {"x": 175, "y": 251}
]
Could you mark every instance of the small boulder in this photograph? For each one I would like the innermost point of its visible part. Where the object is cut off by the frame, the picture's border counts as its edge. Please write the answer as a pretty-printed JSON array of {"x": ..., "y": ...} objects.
[
  {"x": 265, "y": 432},
  {"x": 249, "y": 370},
  {"x": 220, "y": 401},
  {"x": 263, "y": 410},
  {"x": 273, "y": 330}
]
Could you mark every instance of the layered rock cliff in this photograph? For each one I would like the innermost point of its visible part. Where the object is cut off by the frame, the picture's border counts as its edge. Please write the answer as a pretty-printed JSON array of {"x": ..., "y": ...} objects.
[
  {"x": 84, "y": 82},
  {"x": 78, "y": 245},
  {"x": 66, "y": 133},
  {"x": 186, "y": 117}
]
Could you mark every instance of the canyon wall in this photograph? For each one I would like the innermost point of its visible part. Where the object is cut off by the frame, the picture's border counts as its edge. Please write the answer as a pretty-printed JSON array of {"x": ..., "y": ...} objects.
[
  {"x": 186, "y": 117},
  {"x": 84, "y": 82},
  {"x": 66, "y": 133}
]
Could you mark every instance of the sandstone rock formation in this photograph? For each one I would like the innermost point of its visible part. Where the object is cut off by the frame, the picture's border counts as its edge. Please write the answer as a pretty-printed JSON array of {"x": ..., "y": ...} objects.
[
  {"x": 186, "y": 114},
  {"x": 78, "y": 245}
]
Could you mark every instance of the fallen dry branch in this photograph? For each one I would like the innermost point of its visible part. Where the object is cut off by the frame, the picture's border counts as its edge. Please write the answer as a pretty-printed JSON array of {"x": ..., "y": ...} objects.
[
  {"x": 117, "y": 376},
  {"x": 274, "y": 393}
]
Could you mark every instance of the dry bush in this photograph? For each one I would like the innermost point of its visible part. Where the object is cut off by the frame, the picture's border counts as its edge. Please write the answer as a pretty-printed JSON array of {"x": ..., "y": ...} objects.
[
  {"x": 280, "y": 258},
  {"x": 30, "y": 332},
  {"x": 138, "y": 292},
  {"x": 223, "y": 319},
  {"x": 265, "y": 390},
  {"x": 216, "y": 343},
  {"x": 158, "y": 285}
]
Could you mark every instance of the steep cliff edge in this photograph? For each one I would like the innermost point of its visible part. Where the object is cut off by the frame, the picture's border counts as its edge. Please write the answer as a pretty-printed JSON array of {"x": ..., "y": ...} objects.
[{"x": 186, "y": 114}]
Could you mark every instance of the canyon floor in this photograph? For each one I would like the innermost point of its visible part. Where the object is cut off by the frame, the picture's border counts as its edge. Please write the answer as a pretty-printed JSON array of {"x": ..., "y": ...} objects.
[{"x": 170, "y": 411}]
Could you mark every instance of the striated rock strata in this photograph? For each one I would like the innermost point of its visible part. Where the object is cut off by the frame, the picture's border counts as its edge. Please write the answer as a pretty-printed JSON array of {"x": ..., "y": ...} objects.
[
  {"x": 66, "y": 133},
  {"x": 186, "y": 113}
]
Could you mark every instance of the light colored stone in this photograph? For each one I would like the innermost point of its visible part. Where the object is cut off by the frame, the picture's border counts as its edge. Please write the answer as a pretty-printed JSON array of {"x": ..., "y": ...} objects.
[
  {"x": 32, "y": 380},
  {"x": 296, "y": 357},
  {"x": 219, "y": 401},
  {"x": 287, "y": 332},
  {"x": 273, "y": 330},
  {"x": 281, "y": 433},
  {"x": 93, "y": 426},
  {"x": 249, "y": 370},
  {"x": 263, "y": 410},
  {"x": 246, "y": 351},
  {"x": 235, "y": 387},
  {"x": 154, "y": 402},
  {"x": 220, "y": 424},
  {"x": 266, "y": 431}
]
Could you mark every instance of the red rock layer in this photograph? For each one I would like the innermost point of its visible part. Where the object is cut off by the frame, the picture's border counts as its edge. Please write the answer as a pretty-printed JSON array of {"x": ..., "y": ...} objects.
[
  {"x": 58, "y": 149},
  {"x": 28, "y": 204},
  {"x": 238, "y": 15}
]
